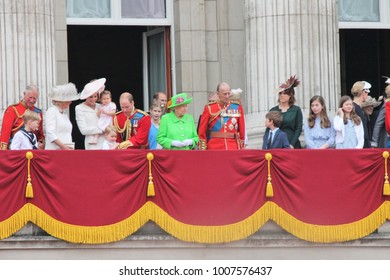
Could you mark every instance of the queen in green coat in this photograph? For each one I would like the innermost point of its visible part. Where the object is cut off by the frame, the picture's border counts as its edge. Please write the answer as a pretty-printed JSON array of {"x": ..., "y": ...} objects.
[{"x": 177, "y": 128}]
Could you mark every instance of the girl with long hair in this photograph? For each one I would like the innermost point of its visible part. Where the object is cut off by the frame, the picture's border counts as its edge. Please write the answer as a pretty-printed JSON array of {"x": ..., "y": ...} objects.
[
  {"x": 318, "y": 128},
  {"x": 348, "y": 126}
]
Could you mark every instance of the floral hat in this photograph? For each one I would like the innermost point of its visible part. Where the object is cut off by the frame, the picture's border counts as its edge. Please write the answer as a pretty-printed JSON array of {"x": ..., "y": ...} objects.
[
  {"x": 290, "y": 84},
  {"x": 66, "y": 92},
  {"x": 180, "y": 99},
  {"x": 92, "y": 87}
]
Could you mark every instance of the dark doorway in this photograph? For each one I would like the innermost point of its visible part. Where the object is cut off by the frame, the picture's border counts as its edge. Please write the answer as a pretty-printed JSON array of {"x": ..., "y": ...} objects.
[
  {"x": 364, "y": 57},
  {"x": 111, "y": 52}
]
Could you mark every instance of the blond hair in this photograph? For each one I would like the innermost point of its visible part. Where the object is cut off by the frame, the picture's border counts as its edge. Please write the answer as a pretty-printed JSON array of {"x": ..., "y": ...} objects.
[
  {"x": 155, "y": 104},
  {"x": 31, "y": 116},
  {"x": 109, "y": 129},
  {"x": 357, "y": 88}
]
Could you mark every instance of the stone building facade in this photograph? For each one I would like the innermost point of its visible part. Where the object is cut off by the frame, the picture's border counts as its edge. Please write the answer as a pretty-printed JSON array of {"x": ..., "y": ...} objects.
[
  {"x": 251, "y": 44},
  {"x": 254, "y": 45}
]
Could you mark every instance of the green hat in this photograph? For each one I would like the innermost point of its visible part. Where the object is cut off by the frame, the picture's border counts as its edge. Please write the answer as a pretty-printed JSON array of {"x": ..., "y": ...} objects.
[{"x": 180, "y": 99}]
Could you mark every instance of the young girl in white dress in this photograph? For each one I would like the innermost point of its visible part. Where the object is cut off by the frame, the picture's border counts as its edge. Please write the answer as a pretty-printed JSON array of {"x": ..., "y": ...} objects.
[
  {"x": 110, "y": 134},
  {"x": 106, "y": 111},
  {"x": 348, "y": 126}
]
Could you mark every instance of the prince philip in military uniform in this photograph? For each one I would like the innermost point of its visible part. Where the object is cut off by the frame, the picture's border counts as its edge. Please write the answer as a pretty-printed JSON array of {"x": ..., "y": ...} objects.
[{"x": 222, "y": 124}]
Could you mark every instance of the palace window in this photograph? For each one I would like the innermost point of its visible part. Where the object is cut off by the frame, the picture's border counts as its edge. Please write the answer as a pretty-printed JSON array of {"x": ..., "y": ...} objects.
[
  {"x": 119, "y": 12},
  {"x": 364, "y": 14}
]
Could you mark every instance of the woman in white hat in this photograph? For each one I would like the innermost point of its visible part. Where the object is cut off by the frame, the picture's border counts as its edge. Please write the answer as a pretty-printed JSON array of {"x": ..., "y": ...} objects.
[
  {"x": 57, "y": 124},
  {"x": 86, "y": 115}
]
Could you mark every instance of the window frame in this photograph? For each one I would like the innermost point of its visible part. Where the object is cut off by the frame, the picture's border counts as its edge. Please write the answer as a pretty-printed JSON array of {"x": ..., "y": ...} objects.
[
  {"x": 116, "y": 17},
  {"x": 383, "y": 23}
]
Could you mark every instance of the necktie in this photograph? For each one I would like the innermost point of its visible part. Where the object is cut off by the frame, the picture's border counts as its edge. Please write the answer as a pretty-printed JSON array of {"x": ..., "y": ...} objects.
[{"x": 269, "y": 140}]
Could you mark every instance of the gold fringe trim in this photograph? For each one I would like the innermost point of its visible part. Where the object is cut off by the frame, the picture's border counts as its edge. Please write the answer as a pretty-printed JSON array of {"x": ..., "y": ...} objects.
[
  {"x": 14, "y": 223},
  {"x": 331, "y": 233},
  {"x": 194, "y": 233},
  {"x": 271, "y": 211},
  {"x": 74, "y": 233}
]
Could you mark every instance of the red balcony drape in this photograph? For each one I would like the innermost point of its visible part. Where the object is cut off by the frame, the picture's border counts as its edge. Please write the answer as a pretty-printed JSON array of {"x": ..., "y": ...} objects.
[{"x": 201, "y": 196}]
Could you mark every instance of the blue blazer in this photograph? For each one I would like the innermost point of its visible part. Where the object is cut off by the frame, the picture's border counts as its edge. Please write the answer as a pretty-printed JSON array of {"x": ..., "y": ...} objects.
[{"x": 280, "y": 140}]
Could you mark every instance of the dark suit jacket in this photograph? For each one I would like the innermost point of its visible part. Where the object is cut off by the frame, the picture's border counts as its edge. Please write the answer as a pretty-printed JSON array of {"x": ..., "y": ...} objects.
[
  {"x": 279, "y": 141},
  {"x": 359, "y": 111}
]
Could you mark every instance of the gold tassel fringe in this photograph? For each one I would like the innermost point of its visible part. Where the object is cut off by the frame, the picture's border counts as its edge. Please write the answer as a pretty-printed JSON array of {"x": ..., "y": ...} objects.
[
  {"x": 269, "y": 192},
  {"x": 150, "y": 191},
  {"x": 29, "y": 188},
  {"x": 194, "y": 233}
]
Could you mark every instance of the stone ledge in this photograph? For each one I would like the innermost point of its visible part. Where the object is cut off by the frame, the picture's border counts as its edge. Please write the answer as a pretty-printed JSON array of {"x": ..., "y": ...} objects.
[{"x": 152, "y": 237}]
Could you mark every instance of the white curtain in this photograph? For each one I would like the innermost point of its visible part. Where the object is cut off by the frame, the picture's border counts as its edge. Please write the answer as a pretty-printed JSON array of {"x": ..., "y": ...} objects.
[
  {"x": 156, "y": 64},
  {"x": 143, "y": 9},
  {"x": 359, "y": 10},
  {"x": 88, "y": 8}
]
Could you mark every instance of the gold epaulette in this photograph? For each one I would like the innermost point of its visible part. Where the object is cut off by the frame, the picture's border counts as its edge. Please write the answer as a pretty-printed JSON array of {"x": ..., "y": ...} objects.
[
  {"x": 117, "y": 113},
  {"x": 142, "y": 112},
  {"x": 236, "y": 102},
  {"x": 16, "y": 110},
  {"x": 212, "y": 102}
]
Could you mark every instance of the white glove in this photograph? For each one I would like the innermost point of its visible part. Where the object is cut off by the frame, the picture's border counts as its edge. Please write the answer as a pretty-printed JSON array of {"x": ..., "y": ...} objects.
[
  {"x": 176, "y": 143},
  {"x": 187, "y": 142}
]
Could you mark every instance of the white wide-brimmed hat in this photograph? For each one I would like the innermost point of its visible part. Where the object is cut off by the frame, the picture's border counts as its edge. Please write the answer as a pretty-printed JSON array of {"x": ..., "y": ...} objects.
[
  {"x": 66, "y": 92},
  {"x": 93, "y": 87}
]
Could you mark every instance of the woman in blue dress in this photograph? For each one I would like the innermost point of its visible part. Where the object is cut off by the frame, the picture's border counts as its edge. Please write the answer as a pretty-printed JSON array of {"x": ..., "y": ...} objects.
[{"x": 318, "y": 128}]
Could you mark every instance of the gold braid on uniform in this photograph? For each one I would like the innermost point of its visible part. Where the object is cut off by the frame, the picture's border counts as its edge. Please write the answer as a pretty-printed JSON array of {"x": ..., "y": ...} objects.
[
  {"x": 215, "y": 115},
  {"x": 202, "y": 145},
  {"x": 19, "y": 117},
  {"x": 127, "y": 126}
]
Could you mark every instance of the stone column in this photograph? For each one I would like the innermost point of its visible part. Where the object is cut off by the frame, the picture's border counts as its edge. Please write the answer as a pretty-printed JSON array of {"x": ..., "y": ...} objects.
[
  {"x": 27, "y": 40},
  {"x": 190, "y": 52},
  {"x": 287, "y": 37}
]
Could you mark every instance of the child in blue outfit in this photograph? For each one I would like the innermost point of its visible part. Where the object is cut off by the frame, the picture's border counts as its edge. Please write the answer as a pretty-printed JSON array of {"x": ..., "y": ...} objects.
[
  {"x": 274, "y": 138},
  {"x": 155, "y": 113}
]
